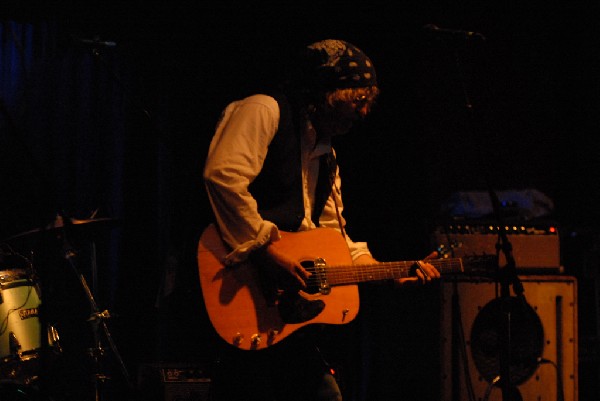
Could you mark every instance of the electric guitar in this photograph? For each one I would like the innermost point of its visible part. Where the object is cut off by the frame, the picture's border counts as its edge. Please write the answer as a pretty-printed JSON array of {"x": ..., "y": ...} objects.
[{"x": 247, "y": 315}]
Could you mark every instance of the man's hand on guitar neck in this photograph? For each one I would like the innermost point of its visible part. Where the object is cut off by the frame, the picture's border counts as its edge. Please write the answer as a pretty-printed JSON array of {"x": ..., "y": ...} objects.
[{"x": 424, "y": 273}]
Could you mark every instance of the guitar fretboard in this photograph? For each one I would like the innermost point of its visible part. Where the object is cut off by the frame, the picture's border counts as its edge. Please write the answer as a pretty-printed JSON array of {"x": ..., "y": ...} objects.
[{"x": 353, "y": 274}]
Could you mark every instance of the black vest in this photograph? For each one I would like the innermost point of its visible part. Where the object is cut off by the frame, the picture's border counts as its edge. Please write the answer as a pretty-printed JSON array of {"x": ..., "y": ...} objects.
[{"x": 278, "y": 187}]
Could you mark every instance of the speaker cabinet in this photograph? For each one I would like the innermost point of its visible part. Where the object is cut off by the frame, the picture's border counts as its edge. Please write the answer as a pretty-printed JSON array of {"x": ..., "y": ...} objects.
[{"x": 543, "y": 340}]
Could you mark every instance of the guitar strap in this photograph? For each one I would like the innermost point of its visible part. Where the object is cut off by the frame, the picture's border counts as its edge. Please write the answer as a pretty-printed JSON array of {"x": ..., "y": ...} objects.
[{"x": 335, "y": 191}]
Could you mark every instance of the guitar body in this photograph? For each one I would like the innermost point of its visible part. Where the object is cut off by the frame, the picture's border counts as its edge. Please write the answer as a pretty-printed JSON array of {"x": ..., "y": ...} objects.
[{"x": 235, "y": 299}]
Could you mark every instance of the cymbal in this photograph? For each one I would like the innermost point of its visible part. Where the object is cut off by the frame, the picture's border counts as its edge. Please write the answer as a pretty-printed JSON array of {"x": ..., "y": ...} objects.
[{"x": 77, "y": 224}]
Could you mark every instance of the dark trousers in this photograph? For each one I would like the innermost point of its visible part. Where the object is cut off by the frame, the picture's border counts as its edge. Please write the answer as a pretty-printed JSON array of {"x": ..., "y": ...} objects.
[{"x": 289, "y": 371}]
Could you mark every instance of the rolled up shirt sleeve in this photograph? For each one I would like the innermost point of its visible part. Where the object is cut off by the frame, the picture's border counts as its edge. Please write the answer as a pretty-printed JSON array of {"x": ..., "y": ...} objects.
[{"x": 235, "y": 157}]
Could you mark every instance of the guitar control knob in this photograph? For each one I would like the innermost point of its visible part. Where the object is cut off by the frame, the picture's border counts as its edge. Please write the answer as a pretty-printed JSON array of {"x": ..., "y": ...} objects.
[
  {"x": 272, "y": 334},
  {"x": 237, "y": 339},
  {"x": 255, "y": 339}
]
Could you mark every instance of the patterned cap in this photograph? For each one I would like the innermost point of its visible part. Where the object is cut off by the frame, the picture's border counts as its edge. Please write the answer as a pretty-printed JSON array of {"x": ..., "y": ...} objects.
[{"x": 337, "y": 64}]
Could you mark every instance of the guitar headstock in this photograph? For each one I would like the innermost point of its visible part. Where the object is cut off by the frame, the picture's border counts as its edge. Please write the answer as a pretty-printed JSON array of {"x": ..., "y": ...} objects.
[
  {"x": 483, "y": 264},
  {"x": 480, "y": 265}
]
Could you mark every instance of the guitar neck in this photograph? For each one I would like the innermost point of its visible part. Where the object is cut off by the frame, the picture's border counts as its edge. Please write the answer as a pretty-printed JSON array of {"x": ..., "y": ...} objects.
[{"x": 354, "y": 274}]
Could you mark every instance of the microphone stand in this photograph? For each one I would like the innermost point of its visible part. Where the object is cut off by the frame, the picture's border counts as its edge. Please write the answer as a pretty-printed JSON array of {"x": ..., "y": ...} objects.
[{"x": 506, "y": 276}]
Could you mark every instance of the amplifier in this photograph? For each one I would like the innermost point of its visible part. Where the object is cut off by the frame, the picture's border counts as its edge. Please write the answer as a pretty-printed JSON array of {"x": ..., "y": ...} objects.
[
  {"x": 533, "y": 248},
  {"x": 471, "y": 340},
  {"x": 173, "y": 382}
]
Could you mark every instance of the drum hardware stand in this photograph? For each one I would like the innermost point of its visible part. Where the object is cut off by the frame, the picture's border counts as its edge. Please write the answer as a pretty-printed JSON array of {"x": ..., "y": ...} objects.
[{"x": 97, "y": 320}]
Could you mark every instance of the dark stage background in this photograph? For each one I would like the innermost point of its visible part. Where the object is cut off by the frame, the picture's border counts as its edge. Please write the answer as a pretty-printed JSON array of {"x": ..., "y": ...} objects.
[{"x": 119, "y": 132}]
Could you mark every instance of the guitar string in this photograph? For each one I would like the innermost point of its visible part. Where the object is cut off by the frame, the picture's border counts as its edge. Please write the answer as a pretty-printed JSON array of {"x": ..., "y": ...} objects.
[{"x": 381, "y": 271}]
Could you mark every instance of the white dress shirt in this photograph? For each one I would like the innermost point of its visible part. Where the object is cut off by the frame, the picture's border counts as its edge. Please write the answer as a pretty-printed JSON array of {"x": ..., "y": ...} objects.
[{"x": 236, "y": 156}]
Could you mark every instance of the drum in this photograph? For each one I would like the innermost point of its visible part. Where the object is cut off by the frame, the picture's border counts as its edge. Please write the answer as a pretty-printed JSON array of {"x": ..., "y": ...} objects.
[{"x": 20, "y": 327}]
